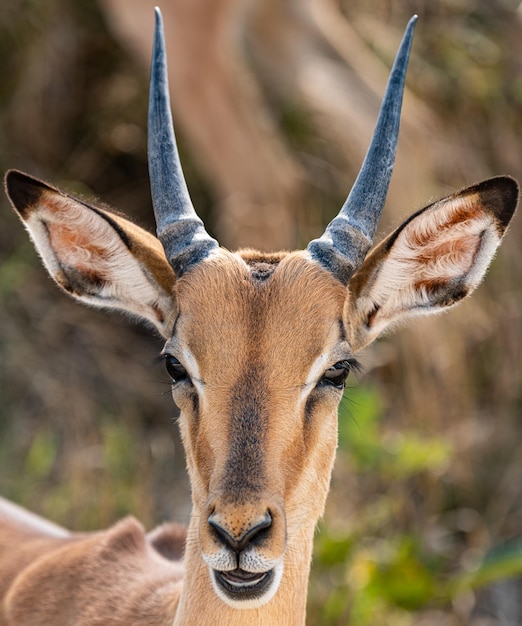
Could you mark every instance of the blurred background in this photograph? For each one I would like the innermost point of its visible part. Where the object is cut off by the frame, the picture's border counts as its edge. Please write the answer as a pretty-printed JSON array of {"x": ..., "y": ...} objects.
[{"x": 274, "y": 103}]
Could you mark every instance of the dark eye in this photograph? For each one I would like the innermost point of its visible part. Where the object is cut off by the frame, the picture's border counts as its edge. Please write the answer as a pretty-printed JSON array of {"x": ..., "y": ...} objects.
[
  {"x": 176, "y": 371},
  {"x": 336, "y": 375}
]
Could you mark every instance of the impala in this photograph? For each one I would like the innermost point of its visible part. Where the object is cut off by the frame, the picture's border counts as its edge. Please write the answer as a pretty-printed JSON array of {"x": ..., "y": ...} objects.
[{"x": 258, "y": 347}]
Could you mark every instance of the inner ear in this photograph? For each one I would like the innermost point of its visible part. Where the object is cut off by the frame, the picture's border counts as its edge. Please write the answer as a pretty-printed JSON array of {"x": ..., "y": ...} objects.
[
  {"x": 433, "y": 260},
  {"x": 97, "y": 256}
]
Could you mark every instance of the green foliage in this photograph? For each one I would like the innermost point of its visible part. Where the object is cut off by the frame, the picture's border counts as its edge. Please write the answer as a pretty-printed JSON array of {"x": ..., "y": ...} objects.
[
  {"x": 15, "y": 269},
  {"x": 392, "y": 454},
  {"x": 41, "y": 456},
  {"x": 371, "y": 569},
  {"x": 502, "y": 562},
  {"x": 100, "y": 483}
]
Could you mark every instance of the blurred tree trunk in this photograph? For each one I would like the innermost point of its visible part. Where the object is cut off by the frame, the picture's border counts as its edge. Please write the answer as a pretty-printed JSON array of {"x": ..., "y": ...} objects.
[
  {"x": 218, "y": 106},
  {"x": 316, "y": 58},
  {"x": 313, "y": 58}
]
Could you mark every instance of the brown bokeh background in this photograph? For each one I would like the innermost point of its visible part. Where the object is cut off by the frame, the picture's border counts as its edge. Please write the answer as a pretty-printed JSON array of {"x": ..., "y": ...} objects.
[{"x": 274, "y": 103}]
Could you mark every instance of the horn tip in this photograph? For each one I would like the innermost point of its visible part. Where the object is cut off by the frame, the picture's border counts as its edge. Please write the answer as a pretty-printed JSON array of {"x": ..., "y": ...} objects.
[
  {"x": 158, "y": 18},
  {"x": 158, "y": 21},
  {"x": 158, "y": 48},
  {"x": 411, "y": 25}
]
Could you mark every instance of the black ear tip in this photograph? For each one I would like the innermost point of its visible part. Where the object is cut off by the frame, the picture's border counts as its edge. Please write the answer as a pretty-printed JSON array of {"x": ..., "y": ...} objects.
[
  {"x": 501, "y": 193},
  {"x": 511, "y": 187},
  {"x": 23, "y": 190},
  {"x": 12, "y": 178}
]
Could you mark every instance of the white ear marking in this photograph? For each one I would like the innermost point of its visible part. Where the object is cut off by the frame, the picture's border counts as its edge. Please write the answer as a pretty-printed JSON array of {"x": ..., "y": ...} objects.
[
  {"x": 430, "y": 263},
  {"x": 99, "y": 258}
]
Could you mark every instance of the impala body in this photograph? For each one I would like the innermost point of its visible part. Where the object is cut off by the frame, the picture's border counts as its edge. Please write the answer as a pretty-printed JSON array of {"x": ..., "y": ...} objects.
[{"x": 258, "y": 347}]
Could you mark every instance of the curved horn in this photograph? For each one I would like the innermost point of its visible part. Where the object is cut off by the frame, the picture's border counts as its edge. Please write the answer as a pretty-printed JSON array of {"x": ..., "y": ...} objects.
[
  {"x": 179, "y": 228},
  {"x": 348, "y": 237}
]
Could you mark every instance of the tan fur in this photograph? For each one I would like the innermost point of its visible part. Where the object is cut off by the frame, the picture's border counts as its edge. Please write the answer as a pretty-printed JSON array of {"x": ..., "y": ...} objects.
[
  {"x": 115, "y": 577},
  {"x": 257, "y": 335}
]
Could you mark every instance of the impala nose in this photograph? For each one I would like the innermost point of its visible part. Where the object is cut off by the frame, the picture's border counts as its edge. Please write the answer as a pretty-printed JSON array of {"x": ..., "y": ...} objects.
[
  {"x": 237, "y": 537},
  {"x": 244, "y": 543}
]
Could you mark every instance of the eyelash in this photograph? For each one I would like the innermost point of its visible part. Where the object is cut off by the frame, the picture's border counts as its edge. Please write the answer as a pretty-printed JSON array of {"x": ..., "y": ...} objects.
[
  {"x": 337, "y": 375},
  {"x": 175, "y": 370}
]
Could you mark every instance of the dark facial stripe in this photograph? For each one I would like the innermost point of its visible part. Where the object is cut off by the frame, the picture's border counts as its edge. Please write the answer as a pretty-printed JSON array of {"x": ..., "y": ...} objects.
[
  {"x": 342, "y": 331},
  {"x": 245, "y": 467}
]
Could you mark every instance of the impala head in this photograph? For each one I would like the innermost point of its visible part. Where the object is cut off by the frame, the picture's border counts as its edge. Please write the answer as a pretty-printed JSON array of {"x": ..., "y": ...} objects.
[{"x": 259, "y": 346}]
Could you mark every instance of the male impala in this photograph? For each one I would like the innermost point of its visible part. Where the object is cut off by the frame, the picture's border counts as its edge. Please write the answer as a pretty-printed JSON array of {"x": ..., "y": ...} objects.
[{"x": 258, "y": 347}]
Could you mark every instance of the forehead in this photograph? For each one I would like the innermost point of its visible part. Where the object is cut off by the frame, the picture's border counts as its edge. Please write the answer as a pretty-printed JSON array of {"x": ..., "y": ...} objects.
[{"x": 233, "y": 308}]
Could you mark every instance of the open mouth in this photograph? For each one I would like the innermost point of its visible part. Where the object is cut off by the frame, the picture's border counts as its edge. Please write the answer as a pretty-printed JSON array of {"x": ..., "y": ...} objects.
[{"x": 240, "y": 584}]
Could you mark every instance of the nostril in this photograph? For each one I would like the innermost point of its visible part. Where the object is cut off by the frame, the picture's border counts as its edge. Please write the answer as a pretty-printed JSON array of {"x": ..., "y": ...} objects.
[
  {"x": 221, "y": 533},
  {"x": 256, "y": 531},
  {"x": 240, "y": 542}
]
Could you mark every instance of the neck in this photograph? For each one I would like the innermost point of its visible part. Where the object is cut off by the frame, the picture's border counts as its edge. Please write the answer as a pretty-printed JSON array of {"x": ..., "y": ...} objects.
[{"x": 199, "y": 603}]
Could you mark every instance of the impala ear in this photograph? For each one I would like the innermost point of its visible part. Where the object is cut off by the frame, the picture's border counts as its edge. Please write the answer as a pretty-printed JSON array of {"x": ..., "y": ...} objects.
[
  {"x": 432, "y": 261},
  {"x": 98, "y": 257}
]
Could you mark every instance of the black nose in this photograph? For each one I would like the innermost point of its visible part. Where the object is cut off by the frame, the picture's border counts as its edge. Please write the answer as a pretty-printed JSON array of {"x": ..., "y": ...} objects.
[{"x": 240, "y": 543}]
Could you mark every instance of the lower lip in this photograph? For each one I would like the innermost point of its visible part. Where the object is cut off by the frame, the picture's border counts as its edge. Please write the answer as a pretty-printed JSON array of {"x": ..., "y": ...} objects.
[{"x": 246, "y": 589}]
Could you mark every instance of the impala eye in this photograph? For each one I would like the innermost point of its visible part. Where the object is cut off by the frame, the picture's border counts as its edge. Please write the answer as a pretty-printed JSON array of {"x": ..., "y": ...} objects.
[
  {"x": 174, "y": 368},
  {"x": 336, "y": 375}
]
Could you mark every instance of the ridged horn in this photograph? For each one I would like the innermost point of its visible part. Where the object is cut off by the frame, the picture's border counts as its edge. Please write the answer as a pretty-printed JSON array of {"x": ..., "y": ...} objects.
[
  {"x": 179, "y": 228},
  {"x": 348, "y": 237}
]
